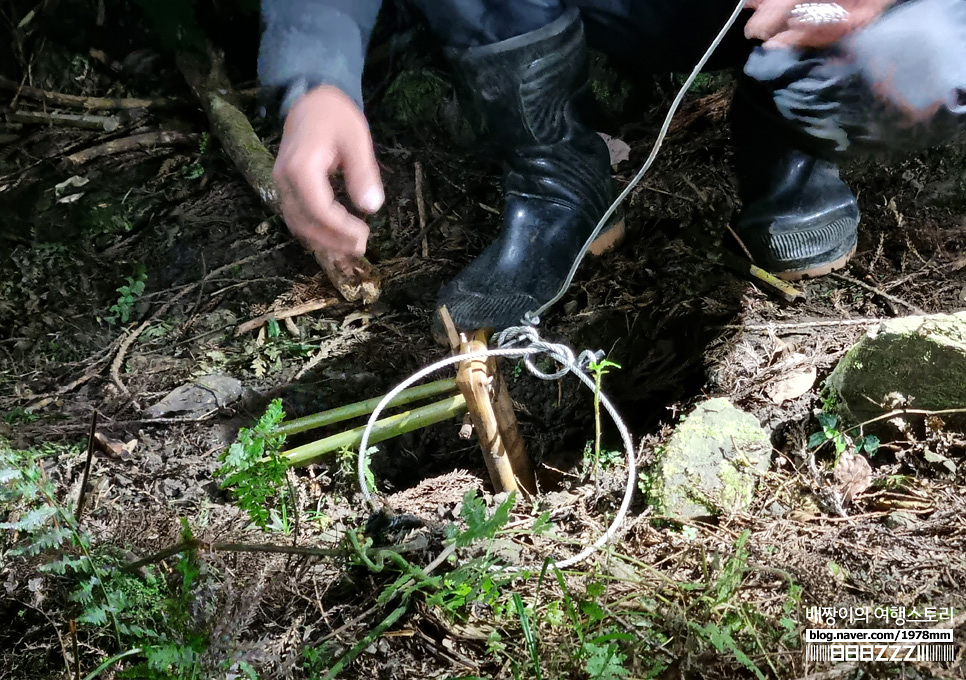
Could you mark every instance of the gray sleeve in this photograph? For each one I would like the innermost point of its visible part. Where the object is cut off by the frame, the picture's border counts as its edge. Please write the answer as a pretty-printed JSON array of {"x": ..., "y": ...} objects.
[{"x": 307, "y": 43}]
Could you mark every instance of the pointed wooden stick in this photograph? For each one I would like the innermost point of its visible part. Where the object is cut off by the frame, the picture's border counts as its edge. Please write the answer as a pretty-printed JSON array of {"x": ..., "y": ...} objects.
[
  {"x": 491, "y": 411},
  {"x": 361, "y": 408}
]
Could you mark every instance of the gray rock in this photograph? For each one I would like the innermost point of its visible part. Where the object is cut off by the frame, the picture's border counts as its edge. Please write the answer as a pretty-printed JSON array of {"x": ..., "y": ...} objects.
[
  {"x": 195, "y": 399},
  {"x": 776, "y": 510},
  {"x": 900, "y": 519},
  {"x": 711, "y": 463},
  {"x": 912, "y": 362}
]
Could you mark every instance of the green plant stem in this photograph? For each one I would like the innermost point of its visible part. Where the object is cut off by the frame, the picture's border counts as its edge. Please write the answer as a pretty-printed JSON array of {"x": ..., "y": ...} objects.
[
  {"x": 597, "y": 378},
  {"x": 361, "y": 408},
  {"x": 82, "y": 494},
  {"x": 528, "y": 635},
  {"x": 384, "y": 625},
  {"x": 110, "y": 661},
  {"x": 384, "y": 429}
]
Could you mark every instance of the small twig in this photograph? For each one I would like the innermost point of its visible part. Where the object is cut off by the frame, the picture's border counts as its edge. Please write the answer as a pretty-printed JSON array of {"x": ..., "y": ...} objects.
[
  {"x": 410, "y": 247},
  {"x": 295, "y": 509},
  {"x": 88, "y": 103},
  {"x": 146, "y": 140},
  {"x": 450, "y": 655},
  {"x": 223, "y": 546},
  {"x": 802, "y": 325},
  {"x": 741, "y": 243},
  {"x": 60, "y": 638},
  {"x": 666, "y": 193},
  {"x": 905, "y": 412},
  {"x": 74, "y": 384},
  {"x": 280, "y": 314},
  {"x": 877, "y": 291},
  {"x": 421, "y": 205},
  {"x": 73, "y": 644},
  {"x": 82, "y": 494},
  {"x": 83, "y": 121}
]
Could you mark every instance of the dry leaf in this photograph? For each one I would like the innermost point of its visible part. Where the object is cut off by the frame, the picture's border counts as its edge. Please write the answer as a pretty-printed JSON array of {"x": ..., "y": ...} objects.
[
  {"x": 618, "y": 149},
  {"x": 114, "y": 447},
  {"x": 793, "y": 385},
  {"x": 363, "y": 317},
  {"x": 74, "y": 182},
  {"x": 852, "y": 476}
]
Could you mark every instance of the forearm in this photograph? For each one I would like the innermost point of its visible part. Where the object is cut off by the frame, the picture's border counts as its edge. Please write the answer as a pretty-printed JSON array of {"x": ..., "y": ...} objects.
[{"x": 307, "y": 43}]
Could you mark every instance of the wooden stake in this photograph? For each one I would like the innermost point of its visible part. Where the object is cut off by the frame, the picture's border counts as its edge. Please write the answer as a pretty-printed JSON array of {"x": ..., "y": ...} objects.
[
  {"x": 491, "y": 411},
  {"x": 506, "y": 419},
  {"x": 474, "y": 381}
]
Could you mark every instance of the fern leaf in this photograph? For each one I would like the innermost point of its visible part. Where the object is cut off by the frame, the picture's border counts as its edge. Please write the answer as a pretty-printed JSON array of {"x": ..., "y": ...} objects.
[{"x": 31, "y": 521}]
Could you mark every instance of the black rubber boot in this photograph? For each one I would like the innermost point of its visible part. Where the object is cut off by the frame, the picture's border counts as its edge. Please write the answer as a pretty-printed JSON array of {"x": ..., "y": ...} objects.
[
  {"x": 528, "y": 93},
  {"x": 799, "y": 220}
]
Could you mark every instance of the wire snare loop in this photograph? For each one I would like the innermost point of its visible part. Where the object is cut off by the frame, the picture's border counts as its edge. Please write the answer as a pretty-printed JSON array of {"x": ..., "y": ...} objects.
[{"x": 525, "y": 342}]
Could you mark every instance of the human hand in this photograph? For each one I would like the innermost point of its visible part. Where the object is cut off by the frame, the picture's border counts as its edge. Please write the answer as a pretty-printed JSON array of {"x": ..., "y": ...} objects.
[
  {"x": 325, "y": 132},
  {"x": 775, "y": 23}
]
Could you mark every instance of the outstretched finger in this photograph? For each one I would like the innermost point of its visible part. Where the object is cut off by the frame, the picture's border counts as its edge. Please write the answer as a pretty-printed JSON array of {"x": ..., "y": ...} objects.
[
  {"x": 361, "y": 171},
  {"x": 769, "y": 19}
]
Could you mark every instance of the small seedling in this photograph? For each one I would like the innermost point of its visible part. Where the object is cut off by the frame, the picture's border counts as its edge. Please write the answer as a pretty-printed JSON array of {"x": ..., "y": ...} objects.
[
  {"x": 254, "y": 469},
  {"x": 840, "y": 438},
  {"x": 598, "y": 369},
  {"x": 128, "y": 295},
  {"x": 196, "y": 169}
]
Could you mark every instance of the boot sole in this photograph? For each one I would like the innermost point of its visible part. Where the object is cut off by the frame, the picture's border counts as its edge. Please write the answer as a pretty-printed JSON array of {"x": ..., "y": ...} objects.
[{"x": 816, "y": 272}]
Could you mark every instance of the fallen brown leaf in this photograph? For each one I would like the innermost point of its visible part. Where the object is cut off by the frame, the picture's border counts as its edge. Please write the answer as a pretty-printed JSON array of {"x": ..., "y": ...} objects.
[
  {"x": 852, "y": 476},
  {"x": 792, "y": 385}
]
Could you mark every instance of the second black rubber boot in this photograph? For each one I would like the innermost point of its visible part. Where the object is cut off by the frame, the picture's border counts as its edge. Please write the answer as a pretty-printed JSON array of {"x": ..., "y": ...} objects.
[
  {"x": 528, "y": 93},
  {"x": 799, "y": 220}
]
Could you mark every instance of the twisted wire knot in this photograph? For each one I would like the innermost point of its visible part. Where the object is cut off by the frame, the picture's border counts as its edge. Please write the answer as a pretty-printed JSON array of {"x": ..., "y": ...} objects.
[{"x": 527, "y": 336}]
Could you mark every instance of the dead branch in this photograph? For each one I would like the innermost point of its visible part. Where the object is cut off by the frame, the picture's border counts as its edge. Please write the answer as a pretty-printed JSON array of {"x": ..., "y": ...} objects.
[
  {"x": 146, "y": 140},
  {"x": 73, "y": 101},
  {"x": 354, "y": 278},
  {"x": 282, "y": 314},
  {"x": 83, "y": 121},
  {"x": 271, "y": 548},
  {"x": 881, "y": 293}
]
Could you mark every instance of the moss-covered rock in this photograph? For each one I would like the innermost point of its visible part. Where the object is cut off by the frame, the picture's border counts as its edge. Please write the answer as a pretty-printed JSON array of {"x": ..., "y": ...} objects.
[
  {"x": 711, "y": 463},
  {"x": 914, "y": 362}
]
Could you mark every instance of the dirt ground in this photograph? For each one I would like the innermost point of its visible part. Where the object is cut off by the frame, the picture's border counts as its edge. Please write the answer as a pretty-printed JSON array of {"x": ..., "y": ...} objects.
[{"x": 717, "y": 599}]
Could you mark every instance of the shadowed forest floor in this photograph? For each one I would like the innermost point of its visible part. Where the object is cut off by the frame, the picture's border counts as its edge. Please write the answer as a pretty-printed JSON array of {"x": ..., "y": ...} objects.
[{"x": 198, "y": 254}]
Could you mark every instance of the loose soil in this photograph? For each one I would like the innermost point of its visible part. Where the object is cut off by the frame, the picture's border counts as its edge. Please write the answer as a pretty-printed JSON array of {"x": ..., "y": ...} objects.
[{"x": 665, "y": 306}]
